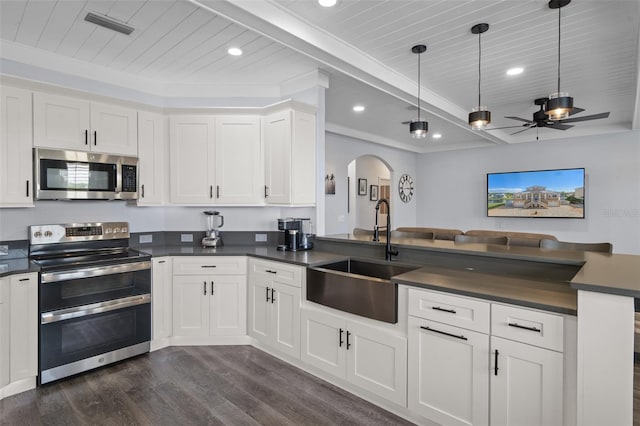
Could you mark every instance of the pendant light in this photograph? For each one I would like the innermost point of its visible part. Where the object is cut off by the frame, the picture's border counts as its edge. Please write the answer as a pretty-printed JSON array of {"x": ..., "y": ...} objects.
[
  {"x": 479, "y": 116},
  {"x": 560, "y": 104},
  {"x": 419, "y": 128}
]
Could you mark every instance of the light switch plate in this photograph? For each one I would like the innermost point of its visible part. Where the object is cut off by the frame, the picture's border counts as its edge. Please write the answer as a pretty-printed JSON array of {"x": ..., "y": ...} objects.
[
  {"x": 186, "y": 238},
  {"x": 146, "y": 239}
]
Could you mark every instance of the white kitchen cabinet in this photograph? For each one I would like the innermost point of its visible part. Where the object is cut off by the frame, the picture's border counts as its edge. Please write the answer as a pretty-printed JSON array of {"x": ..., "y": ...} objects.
[
  {"x": 210, "y": 303},
  {"x": 69, "y": 123},
  {"x": 23, "y": 342},
  {"x": 526, "y": 384},
  {"x": 192, "y": 159},
  {"x": 448, "y": 378},
  {"x": 274, "y": 305},
  {"x": 371, "y": 358},
  {"x": 162, "y": 299},
  {"x": 152, "y": 168},
  {"x": 16, "y": 175},
  {"x": 238, "y": 151},
  {"x": 290, "y": 157},
  {"x": 5, "y": 331}
]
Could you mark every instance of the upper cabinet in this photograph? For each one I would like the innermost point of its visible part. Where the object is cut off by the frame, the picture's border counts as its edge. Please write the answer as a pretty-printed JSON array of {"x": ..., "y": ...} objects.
[
  {"x": 290, "y": 157},
  {"x": 152, "y": 142},
  {"x": 70, "y": 123},
  {"x": 16, "y": 184},
  {"x": 239, "y": 178}
]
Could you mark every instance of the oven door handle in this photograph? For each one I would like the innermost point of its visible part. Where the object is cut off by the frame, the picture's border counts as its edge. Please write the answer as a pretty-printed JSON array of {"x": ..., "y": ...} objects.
[
  {"x": 94, "y": 308},
  {"x": 95, "y": 271}
]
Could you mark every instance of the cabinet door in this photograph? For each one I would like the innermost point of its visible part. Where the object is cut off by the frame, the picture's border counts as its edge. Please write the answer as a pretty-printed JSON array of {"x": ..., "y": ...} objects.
[
  {"x": 527, "y": 388},
  {"x": 277, "y": 138},
  {"x": 324, "y": 342},
  {"x": 191, "y": 143},
  {"x": 114, "y": 129},
  {"x": 448, "y": 373},
  {"x": 239, "y": 176},
  {"x": 162, "y": 295},
  {"x": 285, "y": 318},
  {"x": 377, "y": 362},
  {"x": 151, "y": 152},
  {"x": 259, "y": 308},
  {"x": 24, "y": 326},
  {"x": 60, "y": 122},
  {"x": 16, "y": 185},
  {"x": 5, "y": 331},
  {"x": 228, "y": 305},
  {"x": 191, "y": 305},
  {"x": 303, "y": 158}
]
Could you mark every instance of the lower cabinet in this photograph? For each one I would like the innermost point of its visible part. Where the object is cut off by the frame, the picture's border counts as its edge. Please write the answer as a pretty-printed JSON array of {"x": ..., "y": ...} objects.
[
  {"x": 274, "y": 305},
  {"x": 162, "y": 298},
  {"x": 371, "y": 358},
  {"x": 207, "y": 303},
  {"x": 448, "y": 378},
  {"x": 526, "y": 384}
]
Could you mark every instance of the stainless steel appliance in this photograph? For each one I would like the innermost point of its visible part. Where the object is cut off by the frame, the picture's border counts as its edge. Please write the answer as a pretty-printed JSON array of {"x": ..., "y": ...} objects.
[
  {"x": 298, "y": 234},
  {"x": 94, "y": 297},
  {"x": 69, "y": 175},
  {"x": 215, "y": 221}
]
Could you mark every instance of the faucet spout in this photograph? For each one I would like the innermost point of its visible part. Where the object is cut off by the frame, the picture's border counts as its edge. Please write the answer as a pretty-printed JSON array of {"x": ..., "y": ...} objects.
[{"x": 376, "y": 230}]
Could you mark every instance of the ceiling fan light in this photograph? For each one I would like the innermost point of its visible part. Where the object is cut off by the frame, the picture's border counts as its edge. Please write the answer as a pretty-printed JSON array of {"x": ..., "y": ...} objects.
[
  {"x": 559, "y": 106},
  {"x": 479, "y": 118},
  {"x": 418, "y": 129}
]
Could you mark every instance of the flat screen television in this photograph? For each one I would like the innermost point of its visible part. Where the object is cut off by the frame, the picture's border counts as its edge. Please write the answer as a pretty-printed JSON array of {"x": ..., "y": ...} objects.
[{"x": 538, "y": 193}]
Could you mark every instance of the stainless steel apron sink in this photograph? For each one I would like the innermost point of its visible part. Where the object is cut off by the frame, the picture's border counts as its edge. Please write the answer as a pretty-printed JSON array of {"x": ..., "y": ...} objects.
[{"x": 357, "y": 286}]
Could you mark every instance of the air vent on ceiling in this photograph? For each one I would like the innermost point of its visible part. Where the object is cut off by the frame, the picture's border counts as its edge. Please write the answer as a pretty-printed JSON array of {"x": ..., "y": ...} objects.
[{"x": 107, "y": 22}]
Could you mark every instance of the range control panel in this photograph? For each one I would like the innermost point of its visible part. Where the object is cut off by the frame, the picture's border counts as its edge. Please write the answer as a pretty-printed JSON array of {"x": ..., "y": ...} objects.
[{"x": 51, "y": 234}]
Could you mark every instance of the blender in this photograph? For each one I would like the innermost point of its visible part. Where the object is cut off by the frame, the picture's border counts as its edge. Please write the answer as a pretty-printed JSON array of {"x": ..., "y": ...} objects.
[{"x": 215, "y": 221}]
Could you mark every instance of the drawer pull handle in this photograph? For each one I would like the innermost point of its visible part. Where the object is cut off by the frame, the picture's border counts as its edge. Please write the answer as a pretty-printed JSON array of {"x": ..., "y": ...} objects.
[
  {"x": 271, "y": 272},
  {"x": 495, "y": 364},
  {"x": 208, "y": 266},
  {"x": 524, "y": 327},
  {"x": 460, "y": 336},
  {"x": 438, "y": 308},
  {"x": 23, "y": 279}
]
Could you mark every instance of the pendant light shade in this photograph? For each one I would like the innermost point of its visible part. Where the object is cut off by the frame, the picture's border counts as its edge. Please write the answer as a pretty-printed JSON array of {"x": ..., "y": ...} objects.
[
  {"x": 560, "y": 104},
  {"x": 418, "y": 127},
  {"x": 480, "y": 116}
]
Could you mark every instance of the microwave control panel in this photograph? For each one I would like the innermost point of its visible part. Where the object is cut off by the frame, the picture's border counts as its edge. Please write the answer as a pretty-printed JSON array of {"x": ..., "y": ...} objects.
[{"x": 129, "y": 181}]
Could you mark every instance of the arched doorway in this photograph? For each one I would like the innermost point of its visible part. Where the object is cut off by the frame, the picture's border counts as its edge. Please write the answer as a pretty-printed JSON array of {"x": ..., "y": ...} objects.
[{"x": 369, "y": 180}]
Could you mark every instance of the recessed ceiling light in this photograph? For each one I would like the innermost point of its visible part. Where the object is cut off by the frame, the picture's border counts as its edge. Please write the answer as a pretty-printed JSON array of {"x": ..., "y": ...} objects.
[
  {"x": 437, "y": 135},
  {"x": 358, "y": 108},
  {"x": 234, "y": 51},
  {"x": 515, "y": 71},
  {"x": 327, "y": 3}
]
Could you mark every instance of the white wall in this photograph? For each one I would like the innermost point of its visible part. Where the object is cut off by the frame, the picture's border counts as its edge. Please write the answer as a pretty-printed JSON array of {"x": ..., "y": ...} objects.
[
  {"x": 339, "y": 152},
  {"x": 451, "y": 187},
  {"x": 14, "y": 222}
]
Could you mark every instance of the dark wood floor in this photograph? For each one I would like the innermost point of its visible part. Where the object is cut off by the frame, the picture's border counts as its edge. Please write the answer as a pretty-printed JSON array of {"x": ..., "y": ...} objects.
[{"x": 193, "y": 385}]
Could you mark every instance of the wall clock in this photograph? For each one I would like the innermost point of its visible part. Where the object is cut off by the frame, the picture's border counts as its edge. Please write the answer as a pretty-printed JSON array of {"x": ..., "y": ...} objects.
[{"x": 405, "y": 188}]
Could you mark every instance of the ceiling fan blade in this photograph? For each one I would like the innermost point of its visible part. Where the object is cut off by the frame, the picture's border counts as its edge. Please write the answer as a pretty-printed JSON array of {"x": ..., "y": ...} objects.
[
  {"x": 508, "y": 127},
  {"x": 520, "y": 119},
  {"x": 559, "y": 126},
  {"x": 520, "y": 131},
  {"x": 576, "y": 110},
  {"x": 405, "y": 122},
  {"x": 586, "y": 118}
]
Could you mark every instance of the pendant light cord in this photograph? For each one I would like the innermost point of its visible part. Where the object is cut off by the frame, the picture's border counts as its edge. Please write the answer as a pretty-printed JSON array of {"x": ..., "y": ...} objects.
[
  {"x": 419, "y": 86},
  {"x": 479, "y": 69},
  {"x": 559, "y": 17}
]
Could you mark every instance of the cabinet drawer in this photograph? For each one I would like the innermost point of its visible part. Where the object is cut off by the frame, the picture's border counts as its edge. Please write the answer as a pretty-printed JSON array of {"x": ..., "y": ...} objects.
[
  {"x": 282, "y": 272},
  {"x": 532, "y": 327},
  {"x": 453, "y": 310},
  {"x": 214, "y": 265}
]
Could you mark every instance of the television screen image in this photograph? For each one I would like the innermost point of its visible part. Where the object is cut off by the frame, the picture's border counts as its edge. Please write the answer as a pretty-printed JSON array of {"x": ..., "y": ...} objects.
[{"x": 538, "y": 193}]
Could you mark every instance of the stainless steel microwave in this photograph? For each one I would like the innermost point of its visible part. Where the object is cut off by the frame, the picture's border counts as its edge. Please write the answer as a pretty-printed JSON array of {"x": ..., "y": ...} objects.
[{"x": 78, "y": 175}]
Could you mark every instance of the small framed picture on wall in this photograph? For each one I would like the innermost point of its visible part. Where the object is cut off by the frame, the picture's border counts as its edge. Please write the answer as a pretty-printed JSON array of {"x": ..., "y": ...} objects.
[
  {"x": 373, "y": 193},
  {"x": 362, "y": 186}
]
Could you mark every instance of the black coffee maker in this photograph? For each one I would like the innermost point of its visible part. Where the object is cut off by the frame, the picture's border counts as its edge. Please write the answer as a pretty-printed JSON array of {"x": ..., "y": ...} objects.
[{"x": 297, "y": 234}]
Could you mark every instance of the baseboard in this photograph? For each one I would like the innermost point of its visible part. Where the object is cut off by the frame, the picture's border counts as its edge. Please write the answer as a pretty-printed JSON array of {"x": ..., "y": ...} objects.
[{"x": 209, "y": 341}]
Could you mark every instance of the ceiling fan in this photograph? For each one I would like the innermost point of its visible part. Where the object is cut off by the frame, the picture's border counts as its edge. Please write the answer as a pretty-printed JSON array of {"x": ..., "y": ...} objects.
[{"x": 540, "y": 119}]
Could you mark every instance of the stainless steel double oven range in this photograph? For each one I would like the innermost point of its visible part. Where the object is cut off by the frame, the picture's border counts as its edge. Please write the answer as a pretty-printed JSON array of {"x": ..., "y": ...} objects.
[{"x": 94, "y": 297}]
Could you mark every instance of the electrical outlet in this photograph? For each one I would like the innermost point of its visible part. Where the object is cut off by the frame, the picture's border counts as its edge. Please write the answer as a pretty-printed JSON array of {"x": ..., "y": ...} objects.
[
  {"x": 186, "y": 238},
  {"x": 146, "y": 239},
  {"x": 4, "y": 250},
  {"x": 261, "y": 238},
  {"x": 341, "y": 218}
]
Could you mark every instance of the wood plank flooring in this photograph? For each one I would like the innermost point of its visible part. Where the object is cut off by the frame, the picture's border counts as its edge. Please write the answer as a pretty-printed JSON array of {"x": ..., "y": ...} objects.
[{"x": 194, "y": 385}]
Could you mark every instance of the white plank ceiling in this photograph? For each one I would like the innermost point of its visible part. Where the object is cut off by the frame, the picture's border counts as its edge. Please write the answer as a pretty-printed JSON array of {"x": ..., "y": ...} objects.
[{"x": 359, "y": 43}]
